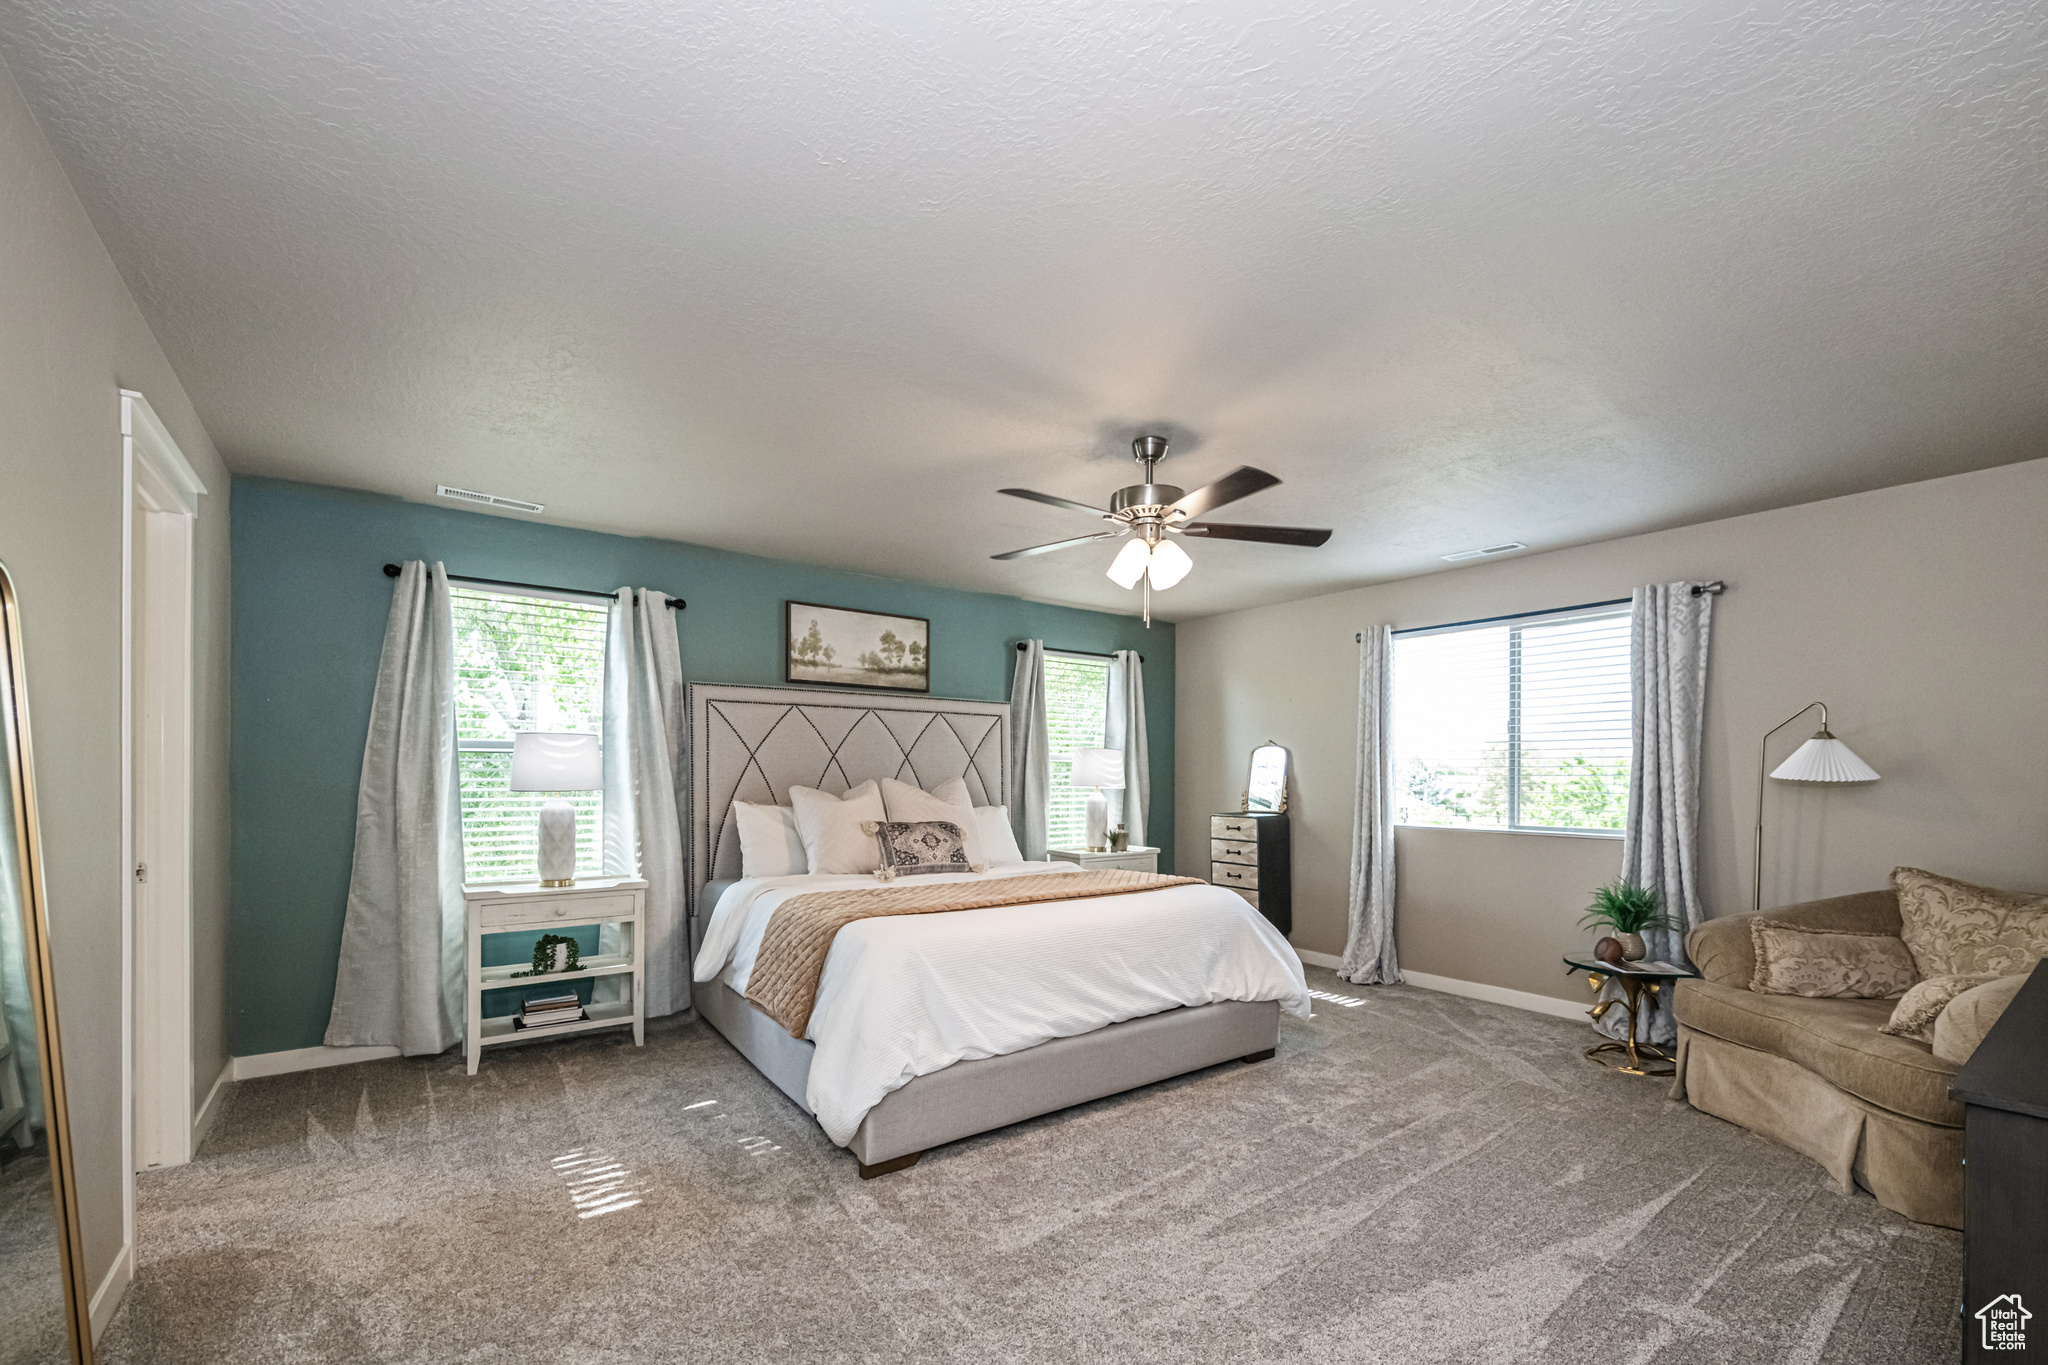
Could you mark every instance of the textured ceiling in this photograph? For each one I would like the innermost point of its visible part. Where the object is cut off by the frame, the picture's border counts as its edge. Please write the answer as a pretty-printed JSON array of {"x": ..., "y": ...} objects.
[{"x": 814, "y": 281}]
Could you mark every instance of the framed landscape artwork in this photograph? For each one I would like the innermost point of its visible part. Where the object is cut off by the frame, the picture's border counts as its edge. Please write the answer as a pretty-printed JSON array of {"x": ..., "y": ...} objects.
[{"x": 845, "y": 648}]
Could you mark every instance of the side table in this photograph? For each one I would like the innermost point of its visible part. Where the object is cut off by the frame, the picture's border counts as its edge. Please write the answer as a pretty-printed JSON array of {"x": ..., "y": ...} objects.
[
  {"x": 615, "y": 904},
  {"x": 1642, "y": 984}
]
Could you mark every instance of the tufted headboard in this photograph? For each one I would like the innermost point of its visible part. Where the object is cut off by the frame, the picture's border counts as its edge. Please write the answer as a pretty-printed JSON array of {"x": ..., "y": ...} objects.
[{"x": 755, "y": 743}]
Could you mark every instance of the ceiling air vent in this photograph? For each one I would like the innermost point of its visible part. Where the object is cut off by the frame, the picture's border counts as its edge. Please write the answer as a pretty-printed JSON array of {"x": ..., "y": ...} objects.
[
  {"x": 1504, "y": 548},
  {"x": 487, "y": 499}
]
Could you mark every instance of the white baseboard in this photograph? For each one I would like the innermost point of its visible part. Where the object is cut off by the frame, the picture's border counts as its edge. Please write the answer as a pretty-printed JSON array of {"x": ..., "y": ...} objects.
[
  {"x": 306, "y": 1059},
  {"x": 209, "y": 1109},
  {"x": 1497, "y": 995},
  {"x": 107, "y": 1298},
  {"x": 1471, "y": 990}
]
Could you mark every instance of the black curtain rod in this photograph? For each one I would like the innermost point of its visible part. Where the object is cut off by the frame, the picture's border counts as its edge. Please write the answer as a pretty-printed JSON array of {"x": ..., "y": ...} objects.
[
  {"x": 393, "y": 570},
  {"x": 1713, "y": 589},
  {"x": 1023, "y": 645}
]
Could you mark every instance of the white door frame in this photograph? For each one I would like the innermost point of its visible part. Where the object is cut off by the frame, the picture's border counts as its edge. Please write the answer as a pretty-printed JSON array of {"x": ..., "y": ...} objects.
[{"x": 160, "y": 514}]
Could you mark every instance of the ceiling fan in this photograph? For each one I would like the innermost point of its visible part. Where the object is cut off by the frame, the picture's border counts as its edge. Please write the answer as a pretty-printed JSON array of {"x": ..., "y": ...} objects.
[{"x": 1153, "y": 511}]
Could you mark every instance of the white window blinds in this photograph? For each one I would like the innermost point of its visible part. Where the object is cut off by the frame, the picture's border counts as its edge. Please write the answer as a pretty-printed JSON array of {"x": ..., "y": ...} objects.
[
  {"x": 1076, "y": 717},
  {"x": 522, "y": 663},
  {"x": 1518, "y": 725}
]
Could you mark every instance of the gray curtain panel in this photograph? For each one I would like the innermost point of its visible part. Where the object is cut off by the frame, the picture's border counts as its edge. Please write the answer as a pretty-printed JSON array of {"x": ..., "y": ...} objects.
[
  {"x": 1660, "y": 843},
  {"x": 1030, "y": 762},
  {"x": 1369, "y": 946},
  {"x": 646, "y": 776},
  {"x": 1126, "y": 731},
  {"x": 400, "y": 979}
]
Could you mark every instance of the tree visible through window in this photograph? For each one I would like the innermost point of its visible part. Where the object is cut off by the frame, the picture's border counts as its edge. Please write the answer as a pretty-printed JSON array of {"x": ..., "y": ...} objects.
[
  {"x": 1076, "y": 717},
  {"x": 1523, "y": 725},
  {"x": 522, "y": 663}
]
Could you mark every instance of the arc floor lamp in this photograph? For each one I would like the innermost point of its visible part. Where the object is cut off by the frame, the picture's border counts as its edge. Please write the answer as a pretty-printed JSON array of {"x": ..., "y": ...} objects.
[{"x": 1821, "y": 759}]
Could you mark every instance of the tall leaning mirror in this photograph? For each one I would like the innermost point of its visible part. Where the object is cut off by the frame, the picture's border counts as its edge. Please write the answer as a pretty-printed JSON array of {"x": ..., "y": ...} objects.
[{"x": 43, "y": 1317}]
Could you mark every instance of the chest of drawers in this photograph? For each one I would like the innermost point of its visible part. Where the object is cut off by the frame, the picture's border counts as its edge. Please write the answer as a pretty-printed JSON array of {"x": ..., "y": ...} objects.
[{"x": 1249, "y": 854}]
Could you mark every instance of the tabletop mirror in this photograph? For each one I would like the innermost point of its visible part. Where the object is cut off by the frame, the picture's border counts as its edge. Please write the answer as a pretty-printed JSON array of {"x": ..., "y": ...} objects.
[
  {"x": 43, "y": 1316},
  {"x": 1266, "y": 789}
]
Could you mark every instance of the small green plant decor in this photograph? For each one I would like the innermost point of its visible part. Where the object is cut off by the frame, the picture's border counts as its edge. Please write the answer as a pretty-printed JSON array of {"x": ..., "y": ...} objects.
[
  {"x": 544, "y": 956},
  {"x": 1622, "y": 907}
]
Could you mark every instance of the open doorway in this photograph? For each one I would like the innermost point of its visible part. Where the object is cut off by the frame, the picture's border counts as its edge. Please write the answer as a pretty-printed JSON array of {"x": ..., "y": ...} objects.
[{"x": 163, "y": 504}]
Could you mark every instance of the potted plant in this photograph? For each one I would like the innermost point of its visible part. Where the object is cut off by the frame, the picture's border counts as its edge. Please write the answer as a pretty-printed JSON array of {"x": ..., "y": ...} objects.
[{"x": 1627, "y": 911}]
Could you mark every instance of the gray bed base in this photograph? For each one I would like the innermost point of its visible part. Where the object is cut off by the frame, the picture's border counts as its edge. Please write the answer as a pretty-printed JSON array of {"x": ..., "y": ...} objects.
[{"x": 975, "y": 1097}]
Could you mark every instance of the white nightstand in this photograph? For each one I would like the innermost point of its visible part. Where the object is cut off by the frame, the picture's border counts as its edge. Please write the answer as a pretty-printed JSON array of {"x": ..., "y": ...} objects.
[
  {"x": 1134, "y": 859},
  {"x": 512, "y": 907}
]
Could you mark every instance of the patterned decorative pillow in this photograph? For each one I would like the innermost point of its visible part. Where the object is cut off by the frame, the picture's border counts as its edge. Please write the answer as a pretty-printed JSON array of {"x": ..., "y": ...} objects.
[
  {"x": 1921, "y": 1006},
  {"x": 1828, "y": 963},
  {"x": 913, "y": 848},
  {"x": 1957, "y": 928}
]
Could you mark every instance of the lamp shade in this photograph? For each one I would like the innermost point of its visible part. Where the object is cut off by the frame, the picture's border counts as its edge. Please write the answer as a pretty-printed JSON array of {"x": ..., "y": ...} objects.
[
  {"x": 544, "y": 762},
  {"x": 1129, "y": 565},
  {"x": 1170, "y": 564},
  {"x": 1824, "y": 759},
  {"x": 1098, "y": 768}
]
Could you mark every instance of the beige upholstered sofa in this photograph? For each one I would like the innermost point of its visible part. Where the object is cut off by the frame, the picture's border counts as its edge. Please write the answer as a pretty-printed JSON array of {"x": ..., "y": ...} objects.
[{"x": 1817, "y": 1075}]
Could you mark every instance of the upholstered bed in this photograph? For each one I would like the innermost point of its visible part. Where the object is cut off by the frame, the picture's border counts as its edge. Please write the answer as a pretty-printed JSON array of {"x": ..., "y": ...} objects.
[{"x": 753, "y": 744}]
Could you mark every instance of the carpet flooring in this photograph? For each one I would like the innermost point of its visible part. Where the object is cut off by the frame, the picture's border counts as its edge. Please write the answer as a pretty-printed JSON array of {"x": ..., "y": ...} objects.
[{"x": 1414, "y": 1178}]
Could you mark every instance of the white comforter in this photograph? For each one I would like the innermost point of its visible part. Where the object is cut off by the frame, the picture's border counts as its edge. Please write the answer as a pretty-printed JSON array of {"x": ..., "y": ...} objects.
[{"x": 905, "y": 995}]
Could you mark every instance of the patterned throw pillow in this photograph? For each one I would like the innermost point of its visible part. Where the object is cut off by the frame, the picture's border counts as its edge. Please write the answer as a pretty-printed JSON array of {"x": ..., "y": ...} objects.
[
  {"x": 1955, "y": 928},
  {"x": 912, "y": 848},
  {"x": 1828, "y": 963},
  {"x": 1921, "y": 1006}
]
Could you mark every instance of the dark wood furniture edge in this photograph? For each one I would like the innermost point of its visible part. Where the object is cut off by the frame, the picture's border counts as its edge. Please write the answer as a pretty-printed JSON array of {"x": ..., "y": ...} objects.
[
  {"x": 894, "y": 1163},
  {"x": 2008, "y": 1070}
]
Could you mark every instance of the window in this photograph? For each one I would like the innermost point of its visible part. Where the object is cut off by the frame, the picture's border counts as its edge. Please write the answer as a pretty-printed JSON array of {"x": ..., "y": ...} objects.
[
  {"x": 1520, "y": 725},
  {"x": 1076, "y": 717},
  {"x": 522, "y": 663}
]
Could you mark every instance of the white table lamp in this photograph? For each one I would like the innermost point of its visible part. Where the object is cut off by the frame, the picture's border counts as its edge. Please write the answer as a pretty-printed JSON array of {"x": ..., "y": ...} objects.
[
  {"x": 1821, "y": 759},
  {"x": 1096, "y": 769},
  {"x": 543, "y": 762}
]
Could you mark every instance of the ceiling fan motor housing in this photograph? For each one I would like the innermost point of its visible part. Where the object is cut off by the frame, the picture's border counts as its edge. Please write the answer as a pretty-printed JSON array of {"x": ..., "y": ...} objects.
[{"x": 1147, "y": 507}]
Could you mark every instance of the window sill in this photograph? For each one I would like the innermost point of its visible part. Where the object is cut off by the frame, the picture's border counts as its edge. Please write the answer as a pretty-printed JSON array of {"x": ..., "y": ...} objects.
[{"x": 1539, "y": 833}]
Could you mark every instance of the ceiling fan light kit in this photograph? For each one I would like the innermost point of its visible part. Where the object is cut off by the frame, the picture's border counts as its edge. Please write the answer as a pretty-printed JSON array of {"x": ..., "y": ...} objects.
[{"x": 1153, "y": 511}]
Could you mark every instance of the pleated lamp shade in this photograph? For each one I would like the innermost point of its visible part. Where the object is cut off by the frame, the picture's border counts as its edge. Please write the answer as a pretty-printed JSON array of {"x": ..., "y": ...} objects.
[{"x": 1824, "y": 759}]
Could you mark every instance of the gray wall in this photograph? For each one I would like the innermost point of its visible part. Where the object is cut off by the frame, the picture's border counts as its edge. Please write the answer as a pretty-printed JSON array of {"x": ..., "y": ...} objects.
[
  {"x": 70, "y": 338},
  {"x": 1916, "y": 613}
]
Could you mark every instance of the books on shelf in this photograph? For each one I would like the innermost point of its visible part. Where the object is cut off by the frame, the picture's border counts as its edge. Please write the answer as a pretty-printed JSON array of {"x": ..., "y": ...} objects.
[{"x": 543, "y": 1010}]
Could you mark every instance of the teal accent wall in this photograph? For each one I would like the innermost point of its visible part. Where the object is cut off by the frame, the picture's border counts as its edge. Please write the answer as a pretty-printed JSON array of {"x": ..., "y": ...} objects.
[{"x": 310, "y": 601}]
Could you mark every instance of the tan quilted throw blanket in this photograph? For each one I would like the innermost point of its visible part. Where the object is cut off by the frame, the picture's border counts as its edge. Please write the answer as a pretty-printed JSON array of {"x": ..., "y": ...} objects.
[{"x": 800, "y": 933}]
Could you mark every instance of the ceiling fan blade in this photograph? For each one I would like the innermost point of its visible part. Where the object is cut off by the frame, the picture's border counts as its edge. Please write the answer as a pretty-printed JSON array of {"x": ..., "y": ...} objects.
[
  {"x": 1271, "y": 535},
  {"x": 1061, "y": 544},
  {"x": 1241, "y": 482},
  {"x": 1051, "y": 501}
]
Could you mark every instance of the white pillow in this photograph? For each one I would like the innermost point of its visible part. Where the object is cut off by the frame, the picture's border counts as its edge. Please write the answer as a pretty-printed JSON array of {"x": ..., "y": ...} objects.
[
  {"x": 997, "y": 838},
  {"x": 906, "y": 802},
  {"x": 769, "y": 843},
  {"x": 834, "y": 843}
]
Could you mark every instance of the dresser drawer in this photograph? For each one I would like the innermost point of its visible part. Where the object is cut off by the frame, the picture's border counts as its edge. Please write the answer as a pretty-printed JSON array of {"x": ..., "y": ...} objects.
[
  {"x": 1251, "y": 896},
  {"x": 1236, "y": 876},
  {"x": 1231, "y": 851},
  {"x": 1233, "y": 827},
  {"x": 524, "y": 910}
]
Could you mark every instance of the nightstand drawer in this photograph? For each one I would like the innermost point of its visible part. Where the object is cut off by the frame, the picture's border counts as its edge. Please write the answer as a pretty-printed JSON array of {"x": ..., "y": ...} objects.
[
  {"x": 1251, "y": 896},
  {"x": 1234, "y": 876},
  {"x": 1231, "y": 851},
  {"x": 1233, "y": 827},
  {"x": 524, "y": 910}
]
